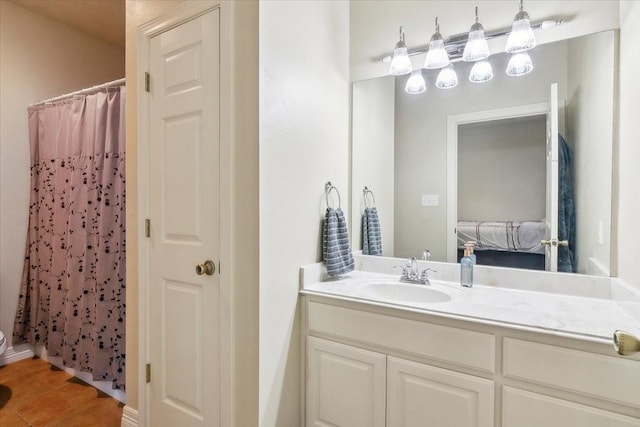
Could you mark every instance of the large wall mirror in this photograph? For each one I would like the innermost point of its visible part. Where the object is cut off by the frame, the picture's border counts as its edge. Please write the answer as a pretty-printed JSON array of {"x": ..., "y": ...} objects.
[{"x": 471, "y": 163}]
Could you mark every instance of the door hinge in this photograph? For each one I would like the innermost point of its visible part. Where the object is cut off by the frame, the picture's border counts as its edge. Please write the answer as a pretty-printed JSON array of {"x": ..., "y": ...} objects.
[
  {"x": 147, "y": 82},
  {"x": 148, "y": 372},
  {"x": 147, "y": 227}
]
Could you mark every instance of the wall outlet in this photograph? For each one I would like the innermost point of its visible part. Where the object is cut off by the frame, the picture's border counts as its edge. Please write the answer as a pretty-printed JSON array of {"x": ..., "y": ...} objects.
[{"x": 430, "y": 200}]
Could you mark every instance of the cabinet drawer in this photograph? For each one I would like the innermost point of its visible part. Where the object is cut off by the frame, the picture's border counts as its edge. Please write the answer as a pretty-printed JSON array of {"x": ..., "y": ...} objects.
[
  {"x": 525, "y": 409},
  {"x": 610, "y": 378},
  {"x": 457, "y": 346}
]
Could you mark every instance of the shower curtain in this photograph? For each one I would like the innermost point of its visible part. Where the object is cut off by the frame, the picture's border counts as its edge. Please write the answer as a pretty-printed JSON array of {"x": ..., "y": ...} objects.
[{"x": 72, "y": 296}]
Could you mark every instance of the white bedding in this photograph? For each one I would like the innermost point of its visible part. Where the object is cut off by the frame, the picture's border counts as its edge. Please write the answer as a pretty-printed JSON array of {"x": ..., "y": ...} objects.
[{"x": 512, "y": 236}]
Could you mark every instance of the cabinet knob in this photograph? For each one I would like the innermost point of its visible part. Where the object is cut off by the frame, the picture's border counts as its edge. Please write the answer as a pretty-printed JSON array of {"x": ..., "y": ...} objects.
[{"x": 625, "y": 343}]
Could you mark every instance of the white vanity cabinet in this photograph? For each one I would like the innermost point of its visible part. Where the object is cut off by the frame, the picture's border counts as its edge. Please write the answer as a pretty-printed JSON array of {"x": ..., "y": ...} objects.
[
  {"x": 349, "y": 386},
  {"x": 370, "y": 364}
]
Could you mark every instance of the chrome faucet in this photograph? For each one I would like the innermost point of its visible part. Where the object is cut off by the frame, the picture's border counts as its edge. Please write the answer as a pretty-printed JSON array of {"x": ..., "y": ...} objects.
[{"x": 411, "y": 272}]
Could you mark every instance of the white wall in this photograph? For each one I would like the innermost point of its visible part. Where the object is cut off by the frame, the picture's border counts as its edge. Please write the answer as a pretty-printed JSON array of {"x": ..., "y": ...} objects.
[
  {"x": 373, "y": 120},
  {"x": 421, "y": 138},
  {"x": 628, "y": 213},
  {"x": 304, "y": 142},
  {"x": 502, "y": 170},
  {"x": 590, "y": 122},
  {"x": 39, "y": 59}
]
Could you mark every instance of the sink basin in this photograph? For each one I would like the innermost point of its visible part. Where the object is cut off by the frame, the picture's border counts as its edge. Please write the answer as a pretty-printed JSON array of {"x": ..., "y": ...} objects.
[{"x": 404, "y": 292}]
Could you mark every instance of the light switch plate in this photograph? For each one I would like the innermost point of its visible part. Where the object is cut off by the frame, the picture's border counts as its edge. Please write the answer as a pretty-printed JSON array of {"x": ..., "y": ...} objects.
[{"x": 430, "y": 200}]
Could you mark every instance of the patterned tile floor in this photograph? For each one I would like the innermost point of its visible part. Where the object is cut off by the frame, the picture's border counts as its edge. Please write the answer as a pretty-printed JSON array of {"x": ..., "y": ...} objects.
[{"x": 35, "y": 393}]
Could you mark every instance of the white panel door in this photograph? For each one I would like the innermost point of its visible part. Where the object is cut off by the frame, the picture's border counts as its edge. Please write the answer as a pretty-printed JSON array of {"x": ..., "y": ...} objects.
[
  {"x": 525, "y": 409},
  {"x": 184, "y": 311},
  {"x": 345, "y": 385},
  {"x": 420, "y": 395},
  {"x": 551, "y": 248}
]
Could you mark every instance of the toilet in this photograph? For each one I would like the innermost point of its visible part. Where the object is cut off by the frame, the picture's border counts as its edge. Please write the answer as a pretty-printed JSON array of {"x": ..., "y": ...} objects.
[{"x": 3, "y": 343}]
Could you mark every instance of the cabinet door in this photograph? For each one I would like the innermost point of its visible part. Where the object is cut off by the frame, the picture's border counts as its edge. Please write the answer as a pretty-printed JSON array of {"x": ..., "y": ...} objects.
[
  {"x": 426, "y": 396},
  {"x": 525, "y": 409},
  {"x": 345, "y": 385}
]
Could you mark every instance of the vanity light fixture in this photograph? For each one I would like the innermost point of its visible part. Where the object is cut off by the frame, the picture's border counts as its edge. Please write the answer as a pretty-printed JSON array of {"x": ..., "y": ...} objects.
[
  {"x": 415, "y": 83},
  {"x": 519, "y": 64},
  {"x": 477, "y": 47},
  {"x": 481, "y": 72},
  {"x": 437, "y": 56},
  {"x": 447, "y": 78},
  {"x": 521, "y": 37},
  {"x": 400, "y": 64}
]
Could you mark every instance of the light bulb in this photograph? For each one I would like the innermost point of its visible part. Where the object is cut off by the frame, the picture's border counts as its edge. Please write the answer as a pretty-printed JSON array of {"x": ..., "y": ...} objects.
[
  {"x": 481, "y": 72},
  {"x": 447, "y": 78},
  {"x": 400, "y": 64},
  {"x": 477, "y": 47},
  {"x": 519, "y": 64},
  {"x": 521, "y": 37},
  {"x": 437, "y": 56},
  {"x": 415, "y": 83}
]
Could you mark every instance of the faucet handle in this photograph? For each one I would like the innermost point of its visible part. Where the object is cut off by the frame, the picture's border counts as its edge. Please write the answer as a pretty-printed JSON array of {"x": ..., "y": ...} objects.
[
  {"x": 405, "y": 271},
  {"x": 425, "y": 273},
  {"x": 426, "y": 254}
]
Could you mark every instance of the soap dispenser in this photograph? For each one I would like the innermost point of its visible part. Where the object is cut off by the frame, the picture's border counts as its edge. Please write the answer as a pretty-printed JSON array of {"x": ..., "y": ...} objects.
[
  {"x": 469, "y": 246},
  {"x": 466, "y": 270}
]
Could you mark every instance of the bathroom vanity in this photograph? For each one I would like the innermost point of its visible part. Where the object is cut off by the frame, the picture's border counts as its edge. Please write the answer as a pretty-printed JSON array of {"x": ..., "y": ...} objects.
[{"x": 519, "y": 349}]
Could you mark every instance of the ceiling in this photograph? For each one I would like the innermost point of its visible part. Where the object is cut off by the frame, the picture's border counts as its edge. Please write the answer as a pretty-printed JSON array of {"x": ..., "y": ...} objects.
[{"x": 104, "y": 19}]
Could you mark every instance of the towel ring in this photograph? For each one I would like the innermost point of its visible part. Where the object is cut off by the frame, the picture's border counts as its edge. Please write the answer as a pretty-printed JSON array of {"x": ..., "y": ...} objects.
[
  {"x": 366, "y": 191},
  {"x": 327, "y": 189}
]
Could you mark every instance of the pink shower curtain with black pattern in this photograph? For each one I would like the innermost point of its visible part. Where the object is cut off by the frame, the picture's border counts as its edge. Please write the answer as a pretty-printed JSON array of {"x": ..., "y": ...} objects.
[{"x": 72, "y": 296}]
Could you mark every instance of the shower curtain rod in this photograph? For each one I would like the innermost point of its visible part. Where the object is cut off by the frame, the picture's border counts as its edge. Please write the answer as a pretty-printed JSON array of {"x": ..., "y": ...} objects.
[{"x": 81, "y": 92}]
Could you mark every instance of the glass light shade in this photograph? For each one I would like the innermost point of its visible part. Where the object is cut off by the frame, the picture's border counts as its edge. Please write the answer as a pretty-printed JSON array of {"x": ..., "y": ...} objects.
[
  {"x": 400, "y": 64},
  {"x": 481, "y": 72},
  {"x": 437, "y": 56},
  {"x": 476, "y": 48},
  {"x": 415, "y": 83},
  {"x": 447, "y": 78},
  {"x": 521, "y": 37},
  {"x": 519, "y": 64}
]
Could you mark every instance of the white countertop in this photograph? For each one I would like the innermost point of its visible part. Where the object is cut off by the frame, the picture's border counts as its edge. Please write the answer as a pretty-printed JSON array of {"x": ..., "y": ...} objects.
[{"x": 582, "y": 317}]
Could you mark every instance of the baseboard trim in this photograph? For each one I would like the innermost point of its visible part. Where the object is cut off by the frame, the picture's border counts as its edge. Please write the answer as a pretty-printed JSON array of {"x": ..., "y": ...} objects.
[
  {"x": 129, "y": 417},
  {"x": 13, "y": 355}
]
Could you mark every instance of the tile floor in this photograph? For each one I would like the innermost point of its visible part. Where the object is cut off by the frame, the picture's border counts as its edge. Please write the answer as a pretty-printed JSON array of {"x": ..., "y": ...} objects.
[{"x": 35, "y": 393}]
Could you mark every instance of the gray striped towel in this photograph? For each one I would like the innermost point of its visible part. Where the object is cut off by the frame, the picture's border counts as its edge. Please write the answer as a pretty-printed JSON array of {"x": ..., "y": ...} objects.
[
  {"x": 371, "y": 237},
  {"x": 335, "y": 244}
]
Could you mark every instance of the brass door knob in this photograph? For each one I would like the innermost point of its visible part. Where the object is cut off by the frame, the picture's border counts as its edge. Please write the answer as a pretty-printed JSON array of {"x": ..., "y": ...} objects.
[
  {"x": 207, "y": 267},
  {"x": 625, "y": 343}
]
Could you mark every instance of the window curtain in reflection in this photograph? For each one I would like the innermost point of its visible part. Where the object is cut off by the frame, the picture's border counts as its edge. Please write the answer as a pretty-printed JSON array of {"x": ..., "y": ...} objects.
[{"x": 72, "y": 296}]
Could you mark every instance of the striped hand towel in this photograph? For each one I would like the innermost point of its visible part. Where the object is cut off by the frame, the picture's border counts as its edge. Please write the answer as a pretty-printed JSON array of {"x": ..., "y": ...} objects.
[
  {"x": 335, "y": 244},
  {"x": 371, "y": 237}
]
